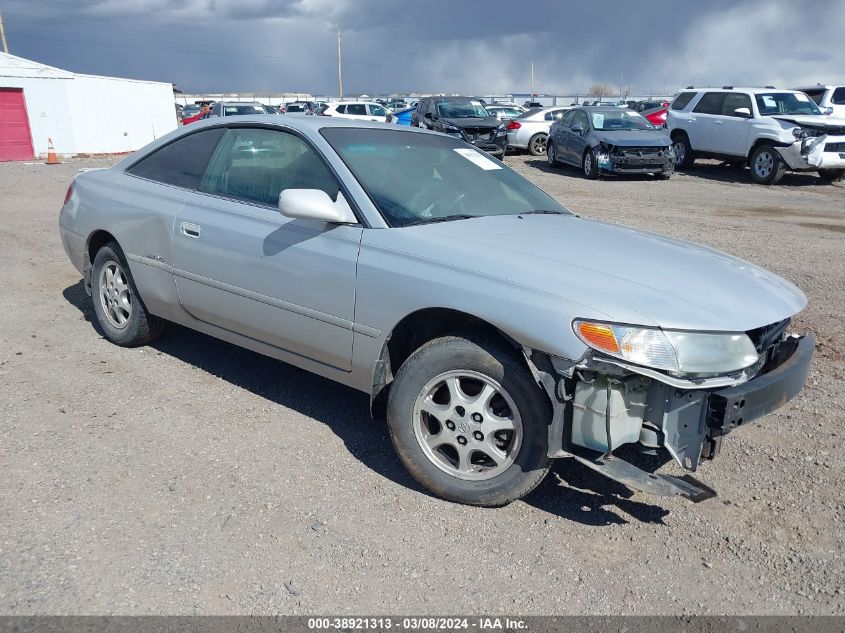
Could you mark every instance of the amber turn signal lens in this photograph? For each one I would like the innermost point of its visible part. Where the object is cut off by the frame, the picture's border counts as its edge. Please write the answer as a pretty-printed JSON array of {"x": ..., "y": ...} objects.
[{"x": 600, "y": 336}]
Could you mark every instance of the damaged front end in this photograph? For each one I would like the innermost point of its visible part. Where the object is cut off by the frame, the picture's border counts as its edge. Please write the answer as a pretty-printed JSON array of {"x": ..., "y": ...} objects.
[
  {"x": 602, "y": 402},
  {"x": 621, "y": 159}
]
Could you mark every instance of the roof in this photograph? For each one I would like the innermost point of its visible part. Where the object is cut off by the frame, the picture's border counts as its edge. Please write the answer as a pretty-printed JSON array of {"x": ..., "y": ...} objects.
[
  {"x": 604, "y": 108},
  {"x": 14, "y": 66},
  {"x": 302, "y": 122}
]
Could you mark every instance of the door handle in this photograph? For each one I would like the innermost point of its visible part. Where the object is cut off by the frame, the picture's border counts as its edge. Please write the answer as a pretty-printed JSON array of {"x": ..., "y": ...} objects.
[
  {"x": 189, "y": 229},
  {"x": 718, "y": 122}
]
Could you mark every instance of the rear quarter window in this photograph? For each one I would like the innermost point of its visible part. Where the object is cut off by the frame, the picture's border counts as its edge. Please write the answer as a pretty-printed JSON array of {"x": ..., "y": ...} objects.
[
  {"x": 182, "y": 162},
  {"x": 682, "y": 100},
  {"x": 838, "y": 97}
]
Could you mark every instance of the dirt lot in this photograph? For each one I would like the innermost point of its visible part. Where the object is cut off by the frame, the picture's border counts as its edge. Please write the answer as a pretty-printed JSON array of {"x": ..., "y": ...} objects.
[{"x": 195, "y": 477}]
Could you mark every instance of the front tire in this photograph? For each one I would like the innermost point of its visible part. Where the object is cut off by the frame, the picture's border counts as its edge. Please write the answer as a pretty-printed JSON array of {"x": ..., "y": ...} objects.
[
  {"x": 122, "y": 316},
  {"x": 537, "y": 144},
  {"x": 590, "y": 165},
  {"x": 684, "y": 154},
  {"x": 469, "y": 422},
  {"x": 767, "y": 167}
]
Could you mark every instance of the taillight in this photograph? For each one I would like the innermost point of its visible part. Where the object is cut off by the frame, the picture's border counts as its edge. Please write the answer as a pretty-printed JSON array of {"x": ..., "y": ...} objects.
[
  {"x": 514, "y": 125},
  {"x": 69, "y": 193}
]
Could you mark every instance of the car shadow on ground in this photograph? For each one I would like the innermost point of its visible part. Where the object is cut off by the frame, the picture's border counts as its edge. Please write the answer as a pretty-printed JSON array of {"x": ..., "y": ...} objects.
[
  {"x": 708, "y": 170},
  {"x": 569, "y": 488}
]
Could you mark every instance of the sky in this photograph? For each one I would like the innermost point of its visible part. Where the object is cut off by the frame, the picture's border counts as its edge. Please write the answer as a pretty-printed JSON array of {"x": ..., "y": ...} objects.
[{"x": 477, "y": 47}]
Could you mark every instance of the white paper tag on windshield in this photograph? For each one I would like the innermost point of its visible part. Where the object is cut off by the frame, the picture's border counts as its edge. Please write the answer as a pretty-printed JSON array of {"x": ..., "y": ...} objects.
[
  {"x": 800, "y": 96},
  {"x": 479, "y": 159}
]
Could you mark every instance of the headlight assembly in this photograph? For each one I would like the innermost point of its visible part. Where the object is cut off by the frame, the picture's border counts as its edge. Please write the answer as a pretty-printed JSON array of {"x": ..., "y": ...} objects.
[
  {"x": 451, "y": 130},
  {"x": 674, "y": 351},
  {"x": 801, "y": 133},
  {"x": 501, "y": 130}
]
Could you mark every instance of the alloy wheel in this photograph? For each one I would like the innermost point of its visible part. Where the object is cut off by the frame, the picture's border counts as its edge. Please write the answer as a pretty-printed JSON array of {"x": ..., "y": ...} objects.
[
  {"x": 764, "y": 164},
  {"x": 467, "y": 425},
  {"x": 115, "y": 297}
]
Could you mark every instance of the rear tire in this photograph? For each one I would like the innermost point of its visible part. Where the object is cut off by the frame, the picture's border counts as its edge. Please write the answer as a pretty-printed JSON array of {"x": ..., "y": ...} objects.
[
  {"x": 469, "y": 422},
  {"x": 551, "y": 156},
  {"x": 767, "y": 167},
  {"x": 537, "y": 144},
  {"x": 121, "y": 314},
  {"x": 832, "y": 175}
]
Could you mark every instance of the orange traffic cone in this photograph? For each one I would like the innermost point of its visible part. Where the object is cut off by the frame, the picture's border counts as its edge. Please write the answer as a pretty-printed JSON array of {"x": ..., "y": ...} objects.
[{"x": 52, "y": 159}]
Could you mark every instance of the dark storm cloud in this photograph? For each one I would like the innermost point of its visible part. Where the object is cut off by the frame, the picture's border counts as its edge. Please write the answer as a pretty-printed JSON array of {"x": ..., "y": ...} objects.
[{"x": 437, "y": 45}]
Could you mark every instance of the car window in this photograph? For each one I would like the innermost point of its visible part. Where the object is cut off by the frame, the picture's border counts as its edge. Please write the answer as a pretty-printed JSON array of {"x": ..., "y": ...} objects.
[
  {"x": 464, "y": 109},
  {"x": 377, "y": 111},
  {"x": 553, "y": 115},
  {"x": 567, "y": 118},
  {"x": 786, "y": 103},
  {"x": 180, "y": 163},
  {"x": 682, "y": 100},
  {"x": 357, "y": 109},
  {"x": 711, "y": 103},
  {"x": 838, "y": 97},
  {"x": 341, "y": 109},
  {"x": 257, "y": 164},
  {"x": 816, "y": 94},
  {"x": 581, "y": 118},
  {"x": 607, "y": 120},
  {"x": 734, "y": 100},
  {"x": 414, "y": 178},
  {"x": 234, "y": 110}
]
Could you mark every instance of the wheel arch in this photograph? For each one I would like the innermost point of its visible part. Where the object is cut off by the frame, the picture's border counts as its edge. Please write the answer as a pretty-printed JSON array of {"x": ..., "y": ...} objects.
[
  {"x": 96, "y": 240},
  {"x": 765, "y": 141},
  {"x": 416, "y": 329}
]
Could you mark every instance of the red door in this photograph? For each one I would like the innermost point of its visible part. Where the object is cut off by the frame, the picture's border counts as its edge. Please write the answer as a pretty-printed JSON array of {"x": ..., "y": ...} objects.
[{"x": 15, "y": 139}]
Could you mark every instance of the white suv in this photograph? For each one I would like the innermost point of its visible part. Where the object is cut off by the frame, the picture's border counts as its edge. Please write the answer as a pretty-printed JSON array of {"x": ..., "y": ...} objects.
[{"x": 772, "y": 130}]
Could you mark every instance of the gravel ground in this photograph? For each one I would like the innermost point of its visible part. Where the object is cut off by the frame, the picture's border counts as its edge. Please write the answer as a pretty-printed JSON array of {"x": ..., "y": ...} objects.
[{"x": 195, "y": 477}]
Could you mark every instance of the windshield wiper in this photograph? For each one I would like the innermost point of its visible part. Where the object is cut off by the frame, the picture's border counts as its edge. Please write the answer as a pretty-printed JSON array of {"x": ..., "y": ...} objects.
[
  {"x": 445, "y": 218},
  {"x": 543, "y": 212}
]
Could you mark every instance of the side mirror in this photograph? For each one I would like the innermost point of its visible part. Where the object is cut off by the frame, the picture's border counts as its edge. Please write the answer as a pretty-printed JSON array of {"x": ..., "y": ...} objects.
[
  {"x": 315, "y": 204},
  {"x": 429, "y": 115},
  {"x": 745, "y": 113},
  {"x": 577, "y": 128}
]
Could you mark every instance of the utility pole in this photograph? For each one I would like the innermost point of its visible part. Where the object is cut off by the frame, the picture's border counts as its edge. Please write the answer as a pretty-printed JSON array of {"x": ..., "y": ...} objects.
[
  {"x": 3, "y": 35},
  {"x": 339, "y": 67},
  {"x": 532, "y": 81}
]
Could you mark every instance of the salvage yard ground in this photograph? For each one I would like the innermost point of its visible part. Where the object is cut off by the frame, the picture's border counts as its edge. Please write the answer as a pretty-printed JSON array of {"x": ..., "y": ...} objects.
[{"x": 196, "y": 477}]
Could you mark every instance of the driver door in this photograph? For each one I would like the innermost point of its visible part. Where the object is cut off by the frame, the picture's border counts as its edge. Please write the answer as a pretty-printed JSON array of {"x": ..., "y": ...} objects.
[{"x": 242, "y": 266}]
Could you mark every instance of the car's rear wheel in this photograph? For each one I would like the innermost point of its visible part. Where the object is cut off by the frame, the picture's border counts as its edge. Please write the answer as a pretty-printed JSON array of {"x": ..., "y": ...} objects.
[
  {"x": 537, "y": 144},
  {"x": 590, "y": 165},
  {"x": 469, "y": 422},
  {"x": 121, "y": 314},
  {"x": 767, "y": 167},
  {"x": 684, "y": 154},
  {"x": 832, "y": 175}
]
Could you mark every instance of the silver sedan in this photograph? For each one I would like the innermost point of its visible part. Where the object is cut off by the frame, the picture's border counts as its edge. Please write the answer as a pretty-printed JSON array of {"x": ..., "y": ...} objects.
[
  {"x": 530, "y": 130},
  {"x": 494, "y": 329}
]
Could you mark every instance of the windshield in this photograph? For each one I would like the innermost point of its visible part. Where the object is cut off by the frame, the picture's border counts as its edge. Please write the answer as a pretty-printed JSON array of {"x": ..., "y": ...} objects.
[
  {"x": 621, "y": 120},
  {"x": 419, "y": 178},
  {"x": 234, "y": 110},
  {"x": 461, "y": 109},
  {"x": 785, "y": 103}
]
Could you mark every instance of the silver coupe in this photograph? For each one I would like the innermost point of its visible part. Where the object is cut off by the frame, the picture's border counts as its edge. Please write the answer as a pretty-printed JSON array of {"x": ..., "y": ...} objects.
[{"x": 494, "y": 329}]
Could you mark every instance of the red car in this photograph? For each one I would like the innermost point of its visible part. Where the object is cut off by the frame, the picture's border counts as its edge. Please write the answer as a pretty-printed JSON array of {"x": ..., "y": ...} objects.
[
  {"x": 656, "y": 114},
  {"x": 202, "y": 114}
]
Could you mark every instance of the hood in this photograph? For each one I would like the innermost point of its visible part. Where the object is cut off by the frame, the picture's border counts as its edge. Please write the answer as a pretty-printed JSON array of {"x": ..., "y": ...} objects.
[
  {"x": 490, "y": 122},
  {"x": 639, "y": 138},
  {"x": 817, "y": 121},
  {"x": 619, "y": 273}
]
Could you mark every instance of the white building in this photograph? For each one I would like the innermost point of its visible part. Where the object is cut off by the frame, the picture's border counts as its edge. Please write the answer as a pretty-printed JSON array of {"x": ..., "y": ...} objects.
[{"x": 82, "y": 114}]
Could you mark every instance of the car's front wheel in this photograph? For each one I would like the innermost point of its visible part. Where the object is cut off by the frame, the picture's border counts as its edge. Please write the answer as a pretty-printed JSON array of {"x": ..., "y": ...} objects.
[
  {"x": 590, "y": 165},
  {"x": 469, "y": 422},
  {"x": 832, "y": 175},
  {"x": 767, "y": 167},
  {"x": 121, "y": 314}
]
